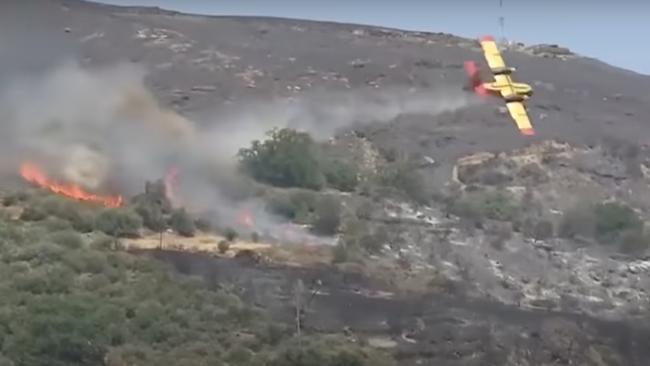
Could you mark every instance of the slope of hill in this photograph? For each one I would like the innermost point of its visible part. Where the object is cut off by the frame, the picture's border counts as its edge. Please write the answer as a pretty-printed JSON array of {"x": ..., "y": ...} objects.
[{"x": 506, "y": 251}]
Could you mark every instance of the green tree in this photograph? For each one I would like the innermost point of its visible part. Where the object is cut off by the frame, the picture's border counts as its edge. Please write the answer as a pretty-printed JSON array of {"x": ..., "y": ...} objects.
[{"x": 288, "y": 158}]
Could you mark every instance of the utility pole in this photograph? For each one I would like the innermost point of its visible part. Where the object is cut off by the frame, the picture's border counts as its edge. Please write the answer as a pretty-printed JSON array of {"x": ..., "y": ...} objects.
[
  {"x": 298, "y": 295},
  {"x": 502, "y": 21}
]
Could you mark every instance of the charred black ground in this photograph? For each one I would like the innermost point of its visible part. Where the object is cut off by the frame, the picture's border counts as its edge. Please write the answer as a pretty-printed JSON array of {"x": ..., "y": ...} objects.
[{"x": 479, "y": 279}]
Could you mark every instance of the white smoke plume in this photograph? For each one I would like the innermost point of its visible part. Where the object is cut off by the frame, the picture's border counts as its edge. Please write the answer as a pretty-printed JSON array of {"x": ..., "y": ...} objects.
[
  {"x": 102, "y": 129},
  {"x": 323, "y": 113}
]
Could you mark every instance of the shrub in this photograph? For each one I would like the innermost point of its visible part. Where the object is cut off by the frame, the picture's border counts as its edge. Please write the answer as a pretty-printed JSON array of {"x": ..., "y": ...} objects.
[
  {"x": 406, "y": 179},
  {"x": 281, "y": 205},
  {"x": 78, "y": 214},
  {"x": 223, "y": 246},
  {"x": 230, "y": 234},
  {"x": 296, "y": 205},
  {"x": 152, "y": 216},
  {"x": 119, "y": 222},
  {"x": 538, "y": 229},
  {"x": 327, "y": 353},
  {"x": 288, "y": 158},
  {"x": 498, "y": 234},
  {"x": 203, "y": 224},
  {"x": 578, "y": 221},
  {"x": 533, "y": 174},
  {"x": 477, "y": 206},
  {"x": 33, "y": 214},
  {"x": 327, "y": 216},
  {"x": 613, "y": 219},
  {"x": 341, "y": 176},
  {"x": 56, "y": 224},
  {"x": 634, "y": 241},
  {"x": 67, "y": 238},
  {"x": 182, "y": 223},
  {"x": 497, "y": 206}
]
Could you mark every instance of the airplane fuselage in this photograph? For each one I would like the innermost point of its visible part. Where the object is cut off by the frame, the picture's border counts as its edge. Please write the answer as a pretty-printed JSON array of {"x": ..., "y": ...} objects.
[{"x": 504, "y": 86}]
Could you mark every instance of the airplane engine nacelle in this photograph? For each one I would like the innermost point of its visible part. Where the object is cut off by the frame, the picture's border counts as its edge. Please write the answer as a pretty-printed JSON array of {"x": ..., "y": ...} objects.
[
  {"x": 514, "y": 98},
  {"x": 504, "y": 70}
]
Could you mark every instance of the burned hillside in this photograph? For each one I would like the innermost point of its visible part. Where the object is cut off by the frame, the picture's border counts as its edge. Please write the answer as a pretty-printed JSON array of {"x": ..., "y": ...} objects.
[{"x": 345, "y": 198}]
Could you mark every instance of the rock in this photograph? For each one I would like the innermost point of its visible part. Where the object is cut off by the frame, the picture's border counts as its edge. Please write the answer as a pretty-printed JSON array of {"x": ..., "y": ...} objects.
[{"x": 381, "y": 342}]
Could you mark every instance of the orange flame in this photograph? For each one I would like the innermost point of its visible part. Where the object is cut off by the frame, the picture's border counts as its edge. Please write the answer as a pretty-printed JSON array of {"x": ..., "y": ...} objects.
[
  {"x": 246, "y": 219},
  {"x": 33, "y": 174},
  {"x": 170, "y": 183}
]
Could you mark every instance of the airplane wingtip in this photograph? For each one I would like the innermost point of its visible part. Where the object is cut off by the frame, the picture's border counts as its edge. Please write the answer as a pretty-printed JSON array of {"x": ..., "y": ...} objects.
[
  {"x": 527, "y": 132},
  {"x": 487, "y": 38}
]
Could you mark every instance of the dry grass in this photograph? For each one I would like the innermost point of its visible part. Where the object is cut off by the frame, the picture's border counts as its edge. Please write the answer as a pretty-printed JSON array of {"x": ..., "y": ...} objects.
[
  {"x": 200, "y": 243},
  {"x": 287, "y": 254}
]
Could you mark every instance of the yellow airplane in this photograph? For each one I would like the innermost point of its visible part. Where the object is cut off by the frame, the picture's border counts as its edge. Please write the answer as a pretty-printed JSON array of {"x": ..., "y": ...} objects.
[{"x": 513, "y": 93}]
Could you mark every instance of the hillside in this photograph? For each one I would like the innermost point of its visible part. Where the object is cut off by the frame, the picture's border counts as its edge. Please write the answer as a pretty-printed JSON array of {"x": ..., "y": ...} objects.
[{"x": 405, "y": 216}]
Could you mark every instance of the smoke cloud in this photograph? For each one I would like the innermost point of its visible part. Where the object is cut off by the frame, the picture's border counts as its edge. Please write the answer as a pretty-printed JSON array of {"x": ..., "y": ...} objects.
[
  {"x": 103, "y": 130},
  {"x": 323, "y": 113}
]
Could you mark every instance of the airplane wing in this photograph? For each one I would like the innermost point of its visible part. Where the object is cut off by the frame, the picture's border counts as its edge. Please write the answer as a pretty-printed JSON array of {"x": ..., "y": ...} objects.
[
  {"x": 519, "y": 114},
  {"x": 492, "y": 53}
]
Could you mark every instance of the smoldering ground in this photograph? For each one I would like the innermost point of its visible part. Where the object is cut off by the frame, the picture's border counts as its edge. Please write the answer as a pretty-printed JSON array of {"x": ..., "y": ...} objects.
[{"x": 103, "y": 130}]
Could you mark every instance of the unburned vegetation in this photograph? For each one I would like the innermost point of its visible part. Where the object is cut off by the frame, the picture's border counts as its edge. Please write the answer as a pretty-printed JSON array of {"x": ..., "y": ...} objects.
[{"x": 71, "y": 297}]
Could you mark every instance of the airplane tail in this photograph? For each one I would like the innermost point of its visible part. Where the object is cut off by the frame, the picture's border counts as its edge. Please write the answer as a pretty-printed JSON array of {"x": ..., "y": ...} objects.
[{"x": 475, "y": 83}]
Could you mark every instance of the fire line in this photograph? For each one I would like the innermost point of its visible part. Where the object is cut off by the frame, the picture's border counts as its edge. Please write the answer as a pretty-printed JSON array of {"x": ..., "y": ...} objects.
[{"x": 31, "y": 173}]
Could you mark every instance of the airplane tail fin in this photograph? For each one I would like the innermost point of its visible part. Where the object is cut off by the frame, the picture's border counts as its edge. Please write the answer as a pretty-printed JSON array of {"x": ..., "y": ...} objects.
[{"x": 475, "y": 82}]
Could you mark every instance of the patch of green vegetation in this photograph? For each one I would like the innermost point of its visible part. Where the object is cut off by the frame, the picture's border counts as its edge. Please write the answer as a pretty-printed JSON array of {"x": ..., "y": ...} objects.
[
  {"x": 407, "y": 180},
  {"x": 341, "y": 175},
  {"x": 119, "y": 222},
  {"x": 479, "y": 205},
  {"x": 288, "y": 158},
  {"x": 74, "y": 300},
  {"x": 610, "y": 223},
  {"x": 337, "y": 353},
  {"x": 296, "y": 205},
  {"x": 613, "y": 219}
]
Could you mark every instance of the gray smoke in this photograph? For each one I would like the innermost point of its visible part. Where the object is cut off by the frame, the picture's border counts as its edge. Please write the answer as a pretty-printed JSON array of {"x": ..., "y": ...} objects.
[
  {"x": 103, "y": 130},
  {"x": 324, "y": 113}
]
